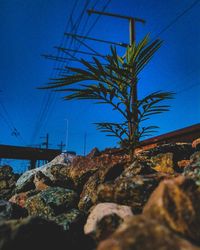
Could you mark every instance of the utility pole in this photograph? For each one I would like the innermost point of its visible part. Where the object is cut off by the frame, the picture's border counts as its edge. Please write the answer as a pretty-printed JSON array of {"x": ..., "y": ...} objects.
[
  {"x": 61, "y": 146},
  {"x": 132, "y": 21},
  {"x": 46, "y": 143},
  {"x": 132, "y": 39}
]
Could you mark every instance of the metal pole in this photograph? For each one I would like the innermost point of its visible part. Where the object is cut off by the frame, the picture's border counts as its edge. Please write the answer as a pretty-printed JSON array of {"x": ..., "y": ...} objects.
[
  {"x": 85, "y": 141},
  {"x": 67, "y": 135}
]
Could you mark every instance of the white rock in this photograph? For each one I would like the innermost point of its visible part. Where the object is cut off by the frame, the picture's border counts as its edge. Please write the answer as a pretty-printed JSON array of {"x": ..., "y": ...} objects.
[
  {"x": 64, "y": 159},
  {"x": 103, "y": 209}
]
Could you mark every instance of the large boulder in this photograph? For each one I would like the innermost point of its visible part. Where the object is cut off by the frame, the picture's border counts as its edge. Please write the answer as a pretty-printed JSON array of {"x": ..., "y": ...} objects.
[
  {"x": 139, "y": 166},
  {"x": 51, "y": 202},
  {"x": 165, "y": 158},
  {"x": 83, "y": 168},
  {"x": 105, "y": 218},
  {"x": 106, "y": 173},
  {"x": 176, "y": 203},
  {"x": 131, "y": 191},
  {"x": 146, "y": 234},
  {"x": 26, "y": 181}
]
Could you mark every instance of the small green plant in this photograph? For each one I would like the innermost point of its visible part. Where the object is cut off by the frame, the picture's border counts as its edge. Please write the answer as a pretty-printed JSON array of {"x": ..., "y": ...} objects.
[{"x": 115, "y": 83}]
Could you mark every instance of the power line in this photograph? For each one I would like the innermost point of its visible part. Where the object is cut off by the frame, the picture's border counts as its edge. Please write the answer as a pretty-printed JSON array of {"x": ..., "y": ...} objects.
[
  {"x": 188, "y": 88},
  {"x": 10, "y": 124},
  {"x": 177, "y": 18},
  {"x": 51, "y": 101},
  {"x": 50, "y": 95}
]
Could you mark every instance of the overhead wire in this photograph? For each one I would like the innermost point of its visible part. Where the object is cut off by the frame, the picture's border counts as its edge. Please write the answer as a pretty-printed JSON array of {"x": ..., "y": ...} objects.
[
  {"x": 92, "y": 26},
  {"x": 49, "y": 95},
  {"x": 7, "y": 119},
  {"x": 169, "y": 25},
  {"x": 177, "y": 18}
]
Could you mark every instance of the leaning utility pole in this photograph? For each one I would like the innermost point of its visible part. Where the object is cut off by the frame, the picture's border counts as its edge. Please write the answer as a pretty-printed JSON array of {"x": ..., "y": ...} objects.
[{"x": 132, "y": 39}]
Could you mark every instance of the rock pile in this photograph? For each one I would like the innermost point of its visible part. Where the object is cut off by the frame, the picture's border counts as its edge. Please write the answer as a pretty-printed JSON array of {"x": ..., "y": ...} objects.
[{"x": 105, "y": 201}]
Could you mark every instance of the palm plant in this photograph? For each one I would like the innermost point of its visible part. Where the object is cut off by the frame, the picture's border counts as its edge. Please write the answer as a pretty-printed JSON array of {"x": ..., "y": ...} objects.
[{"x": 115, "y": 83}]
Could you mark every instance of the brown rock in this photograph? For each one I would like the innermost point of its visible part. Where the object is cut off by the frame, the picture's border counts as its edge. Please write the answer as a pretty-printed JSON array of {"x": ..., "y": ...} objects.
[
  {"x": 41, "y": 181},
  {"x": 131, "y": 191},
  {"x": 106, "y": 173},
  {"x": 168, "y": 155},
  {"x": 140, "y": 233},
  {"x": 83, "y": 168},
  {"x": 88, "y": 196},
  {"x": 163, "y": 163},
  {"x": 176, "y": 203},
  {"x": 94, "y": 153},
  {"x": 196, "y": 143},
  {"x": 140, "y": 166},
  {"x": 105, "y": 218}
]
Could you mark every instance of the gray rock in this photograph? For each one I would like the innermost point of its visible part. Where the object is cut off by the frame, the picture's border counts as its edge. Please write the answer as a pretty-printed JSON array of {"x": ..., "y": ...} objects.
[{"x": 25, "y": 182}]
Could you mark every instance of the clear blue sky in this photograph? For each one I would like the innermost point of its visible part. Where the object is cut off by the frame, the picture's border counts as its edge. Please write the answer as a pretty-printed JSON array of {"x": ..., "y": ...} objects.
[{"x": 30, "y": 28}]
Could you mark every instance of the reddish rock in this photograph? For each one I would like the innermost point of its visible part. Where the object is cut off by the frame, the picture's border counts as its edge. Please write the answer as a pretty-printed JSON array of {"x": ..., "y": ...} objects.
[
  {"x": 105, "y": 218},
  {"x": 83, "y": 168},
  {"x": 183, "y": 163},
  {"x": 146, "y": 234},
  {"x": 21, "y": 198},
  {"x": 176, "y": 203}
]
